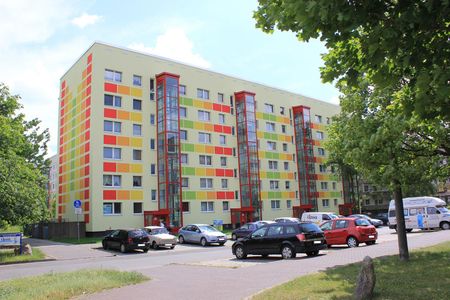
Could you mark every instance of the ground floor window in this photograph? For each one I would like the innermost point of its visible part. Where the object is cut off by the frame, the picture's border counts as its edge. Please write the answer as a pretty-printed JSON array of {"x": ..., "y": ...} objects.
[
  {"x": 226, "y": 206},
  {"x": 110, "y": 208},
  {"x": 137, "y": 208},
  {"x": 186, "y": 207}
]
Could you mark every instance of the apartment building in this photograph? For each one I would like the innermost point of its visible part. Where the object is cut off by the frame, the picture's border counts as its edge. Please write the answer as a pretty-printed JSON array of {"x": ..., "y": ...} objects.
[{"x": 144, "y": 139}]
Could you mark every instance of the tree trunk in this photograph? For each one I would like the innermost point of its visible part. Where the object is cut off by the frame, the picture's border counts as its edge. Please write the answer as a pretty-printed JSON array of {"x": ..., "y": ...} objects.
[{"x": 399, "y": 214}]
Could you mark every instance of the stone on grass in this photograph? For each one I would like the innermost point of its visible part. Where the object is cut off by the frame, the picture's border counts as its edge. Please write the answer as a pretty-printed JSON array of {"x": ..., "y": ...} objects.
[
  {"x": 366, "y": 280},
  {"x": 27, "y": 249}
]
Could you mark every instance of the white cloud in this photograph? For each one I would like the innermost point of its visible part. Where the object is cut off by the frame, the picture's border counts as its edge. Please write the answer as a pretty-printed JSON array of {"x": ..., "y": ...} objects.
[
  {"x": 85, "y": 20},
  {"x": 175, "y": 44},
  {"x": 334, "y": 100}
]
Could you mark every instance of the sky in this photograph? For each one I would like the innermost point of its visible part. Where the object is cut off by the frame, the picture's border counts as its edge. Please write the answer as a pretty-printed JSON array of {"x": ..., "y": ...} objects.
[{"x": 41, "y": 39}]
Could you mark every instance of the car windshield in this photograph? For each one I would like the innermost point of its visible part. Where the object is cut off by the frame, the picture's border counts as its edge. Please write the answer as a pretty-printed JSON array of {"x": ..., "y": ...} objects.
[
  {"x": 443, "y": 210},
  {"x": 310, "y": 227},
  {"x": 208, "y": 229},
  {"x": 362, "y": 222},
  {"x": 136, "y": 233},
  {"x": 159, "y": 231}
]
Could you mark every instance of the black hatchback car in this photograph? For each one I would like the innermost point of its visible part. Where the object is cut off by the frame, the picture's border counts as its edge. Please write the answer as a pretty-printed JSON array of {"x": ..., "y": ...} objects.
[
  {"x": 286, "y": 239},
  {"x": 126, "y": 240}
]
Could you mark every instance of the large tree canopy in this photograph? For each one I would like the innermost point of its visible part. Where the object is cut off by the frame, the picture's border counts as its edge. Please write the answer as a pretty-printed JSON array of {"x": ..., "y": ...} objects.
[
  {"x": 401, "y": 45},
  {"x": 23, "y": 146}
]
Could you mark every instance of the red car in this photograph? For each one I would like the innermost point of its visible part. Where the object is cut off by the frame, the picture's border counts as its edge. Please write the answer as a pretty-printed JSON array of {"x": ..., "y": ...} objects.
[{"x": 349, "y": 231}]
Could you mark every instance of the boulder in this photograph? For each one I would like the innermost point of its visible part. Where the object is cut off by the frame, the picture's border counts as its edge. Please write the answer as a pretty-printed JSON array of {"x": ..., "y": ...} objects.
[
  {"x": 27, "y": 250},
  {"x": 366, "y": 280}
]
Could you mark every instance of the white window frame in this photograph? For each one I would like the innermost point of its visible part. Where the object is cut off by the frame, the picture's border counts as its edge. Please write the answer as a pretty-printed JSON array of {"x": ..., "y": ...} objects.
[
  {"x": 270, "y": 127},
  {"x": 205, "y": 160},
  {"x": 114, "y": 99},
  {"x": 137, "y": 186},
  {"x": 202, "y": 94},
  {"x": 206, "y": 183},
  {"x": 140, "y": 154},
  {"x": 137, "y": 80},
  {"x": 274, "y": 184},
  {"x": 184, "y": 161},
  {"x": 112, "y": 75},
  {"x": 320, "y": 135},
  {"x": 184, "y": 110},
  {"x": 204, "y": 115},
  {"x": 224, "y": 183},
  {"x": 113, "y": 208},
  {"x": 275, "y": 204},
  {"x": 271, "y": 146},
  {"x": 113, "y": 182},
  {"x": 116, "y": 127},
  {"x": 113, "y": 153},
  {"x": 135, "y": 127},
  {"x": 209, "y": 205},
  {"x": 204, "y": 138},
  {"x": 268, "y": 108}
]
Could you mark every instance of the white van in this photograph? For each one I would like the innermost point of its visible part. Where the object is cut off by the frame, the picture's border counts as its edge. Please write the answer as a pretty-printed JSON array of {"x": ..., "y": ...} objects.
[
  {"x": 421, "y": 212},
  {"x": 318, "y": 217}
]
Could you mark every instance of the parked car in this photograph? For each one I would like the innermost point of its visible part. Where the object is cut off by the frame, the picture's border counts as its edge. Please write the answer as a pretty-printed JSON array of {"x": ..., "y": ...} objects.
[
  {"x": 248, "y": 228},
  {"x": 126, "y": 240},
  {"x": 287, "y": 239},
  {"x": 350, "y": 231},
  {"x": 374, "y": 222},
  {"x": 382, "y": 216},
  {"x": 318, "y": 217},
  {"x": 201, "y": 233},
  {"x": 160, "y": 237},
  {"x": 287, "y": 220}
]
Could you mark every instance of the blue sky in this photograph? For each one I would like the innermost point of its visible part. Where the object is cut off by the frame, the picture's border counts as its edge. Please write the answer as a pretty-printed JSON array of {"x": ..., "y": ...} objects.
[{"x": 39, "y": 40}]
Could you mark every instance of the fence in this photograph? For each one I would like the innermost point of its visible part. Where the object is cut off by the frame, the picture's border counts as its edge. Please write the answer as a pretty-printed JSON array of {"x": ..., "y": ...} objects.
[{"x": 57, "y": 230}]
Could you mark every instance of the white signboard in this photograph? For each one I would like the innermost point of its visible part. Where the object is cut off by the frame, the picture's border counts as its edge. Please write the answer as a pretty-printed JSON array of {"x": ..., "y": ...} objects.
[
  {"x": 78, "y": 211},
  {"x": 10, "y": 239}
]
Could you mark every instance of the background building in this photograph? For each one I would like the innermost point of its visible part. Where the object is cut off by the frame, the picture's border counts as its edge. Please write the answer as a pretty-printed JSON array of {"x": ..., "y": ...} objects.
[
  {"x": 144, "y": 139},
  {"x": 52, "y": 187}
]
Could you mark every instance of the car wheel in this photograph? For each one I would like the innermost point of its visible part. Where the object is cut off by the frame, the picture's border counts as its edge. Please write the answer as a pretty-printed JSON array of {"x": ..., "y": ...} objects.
[
  {"x": 240, "y": 253},
  {"x": 233, "y": 237},
  {"x": 123, "y": 249},
  {"x": 145, "y": 250},
  {"x": 370, "y": 243},
  {"x": 445, "y": 226},
  {"x": 171, "y": 247},
  {"x": 312, "y": 253},
  {"x": 203, "y": 242},
  {"x": 105, "y": 245},
  {"x": 180, "y": 239},
  {"x": 287, "y": 252},
  {"x": 352, "y": 242},
  {"x": 154, "y": 245}
]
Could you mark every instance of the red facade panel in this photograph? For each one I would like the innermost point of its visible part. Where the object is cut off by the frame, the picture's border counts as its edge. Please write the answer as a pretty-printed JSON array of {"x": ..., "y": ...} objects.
[
  {"x": 227, "y": 151},
  {"x": 109, "y": 139},
  {"x": 110, "y": 113},
  {"x": 109, "y": 87},
  {"x": 109, "y": 167},
  {"x": 109, "y": 195}
]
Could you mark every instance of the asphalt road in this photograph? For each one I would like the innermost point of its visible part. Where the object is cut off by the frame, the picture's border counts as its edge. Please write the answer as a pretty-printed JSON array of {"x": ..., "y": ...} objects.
[{"x": 194, "y": 272}]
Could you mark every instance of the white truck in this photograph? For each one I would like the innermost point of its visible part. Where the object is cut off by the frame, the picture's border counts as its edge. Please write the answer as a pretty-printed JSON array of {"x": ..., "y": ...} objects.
[
  {"x": 317, "y": 217},
  {"x": 421, "y": 213}
]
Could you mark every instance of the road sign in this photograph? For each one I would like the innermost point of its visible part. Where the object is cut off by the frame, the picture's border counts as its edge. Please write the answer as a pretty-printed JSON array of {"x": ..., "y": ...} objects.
[
  {"x": 77, "y": 203},
  {"x": 78, "y": 211}
]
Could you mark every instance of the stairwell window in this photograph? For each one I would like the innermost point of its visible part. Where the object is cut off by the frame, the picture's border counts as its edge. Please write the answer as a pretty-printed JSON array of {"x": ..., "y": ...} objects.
[{"x": 319, "y": 135}]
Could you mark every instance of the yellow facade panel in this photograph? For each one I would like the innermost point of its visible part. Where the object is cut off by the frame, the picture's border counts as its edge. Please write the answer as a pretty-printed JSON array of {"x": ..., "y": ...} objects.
[
  {"x": 136, "y": 117},
  {"x": 136, "y": 168},
  {"x": 136, "y": 142},
  {"x": 198, "y": 126},
  {"x": 135, "y": 92},
  {"x": 200, "y": 172},
  {"x": 200, "y": 148},
  {"x": 136, "y": 195},
  {"x": 202, "y": 195}
]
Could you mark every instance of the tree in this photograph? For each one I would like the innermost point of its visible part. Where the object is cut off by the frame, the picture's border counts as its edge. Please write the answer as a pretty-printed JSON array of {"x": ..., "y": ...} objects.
[{"x": 23, "y": 146}]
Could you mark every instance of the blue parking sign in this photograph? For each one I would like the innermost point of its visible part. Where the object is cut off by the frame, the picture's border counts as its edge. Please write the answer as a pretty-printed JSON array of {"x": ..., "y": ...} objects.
[{"x": 77, "y": 203}]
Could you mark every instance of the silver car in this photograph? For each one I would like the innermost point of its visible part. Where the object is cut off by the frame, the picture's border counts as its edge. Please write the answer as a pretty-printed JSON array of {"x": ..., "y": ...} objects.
[
  {"x": 160, "y": 237},
  {"x": 201, "y": 233}
]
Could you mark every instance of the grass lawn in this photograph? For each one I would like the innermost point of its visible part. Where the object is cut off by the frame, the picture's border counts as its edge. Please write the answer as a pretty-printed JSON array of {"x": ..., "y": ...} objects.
[
  {"x": 7, "y": 256},
  {"x": 425, "y": 276},
  {"x": 66, "y": 285},
  {"x": 84, "y": 240}
]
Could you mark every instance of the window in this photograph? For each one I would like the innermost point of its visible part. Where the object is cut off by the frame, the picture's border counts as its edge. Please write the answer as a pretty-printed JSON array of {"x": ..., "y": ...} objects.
[
  {"x": 275, "y": 204},
  {"x": 204, "y": 115},
  {"x": 335, "y": 202},
  {"x": 137, "y": 130},
  {"x": 268, "y": 108},
  {"x": 112, "y": 180},
  {"x": 153, "y": 195},
  {"x": 220, "y": 97},
  {"x": 183, "y": 135},
  {"x": 204, "y": 138},
  {"x": 137, "y": 208},
  {"x": 112, "y": 75},
  {"x": 273, "y": 165},
  {"x": 225, "y": 206},
  {"x": 184, "y": 182},
  {"x": 321, "y": 151},
  {"x": 367, "y": 201},
  {"x": 206, "y": 183},
  {"x": 110, "y": 126},
  {"x": 183, "y": 112},
  {"x": 205, "y": 160},
  {"x": 223, "y": 161},
  {"x": 324, "y": 185},
  {"x": 221, "y": 119},
  {"x": 286, "y": 166},
  {"x": 152, "y": 119},
  {"x": 325, "y": 202},
  {"x": 182, "y": 89},
  {"x": 318, "y": 119},
  {"x": 202, "y": 94},
  {"x": 270, "y": 126},
  {"x": 334, "y": 185},
  {"x": 185, "y": 207},
  {"x": 224, "y": 182},
  {"x": 328, "y": 120},
  {"x": 288, "y": 204},
  {"x": 271, "y": 146},
  {"x": 137, "y": 154},
  {"x": 285, "y": 147},
  {"x": 322, "y": 168},
  {"x": 319, "y": 135},
  {"x": 152, "y": 89},
  {"x": 341, "y": 224},
  {"x": 283, "y": 128},
  {"x": 184, "y": 159},
  {"x": 137, "y": 104},
  {"x": 153, "y": 169},
  {"x": 222, "y": 139},
  {"x": 112, "y": 153},
  {"x": 207, "y": 206},
  {"x": 366, "y": 188},
  {"x": 110, "y": 208},
  {"x": 137, "y": 181},
  {"x": 152, "y": 144},
  {"x": 281, "y": 110},
  {"x": 236, "y": 195},
  {"x": 110, "y": 100},
  {"x": 137, "y": 80},
  {"x": 287, "y": 185},
  {"x": 274, "y": 185}
]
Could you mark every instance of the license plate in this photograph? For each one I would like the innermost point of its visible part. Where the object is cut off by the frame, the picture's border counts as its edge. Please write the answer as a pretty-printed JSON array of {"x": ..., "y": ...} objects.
[
  {"x": 317, "y": 242},
  {"x": 221, "y": 239},
  {"x": 371, "y": 236},
  {"x": 141, "y": 245}
]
